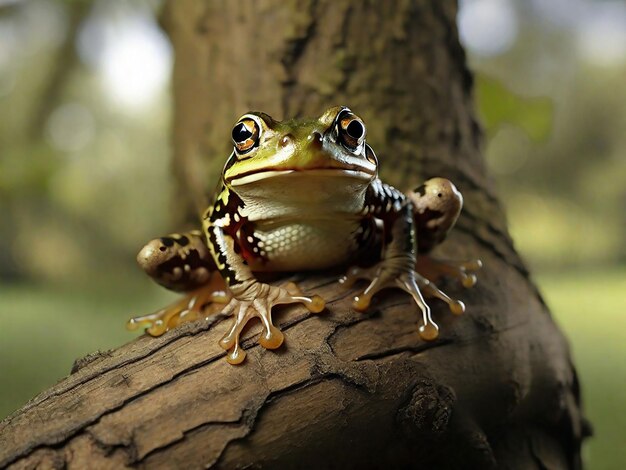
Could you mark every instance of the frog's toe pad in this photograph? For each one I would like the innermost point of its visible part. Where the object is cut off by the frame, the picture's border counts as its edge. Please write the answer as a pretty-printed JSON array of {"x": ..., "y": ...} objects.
[
  {"x": 272, "y": 338},
  {"x": 429, "y": 331},
  {"x": 362, "y": 302}
]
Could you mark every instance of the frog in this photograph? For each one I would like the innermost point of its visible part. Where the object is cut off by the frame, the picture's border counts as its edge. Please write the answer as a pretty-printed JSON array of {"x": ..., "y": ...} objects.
[{"x": 304, "y": 195}]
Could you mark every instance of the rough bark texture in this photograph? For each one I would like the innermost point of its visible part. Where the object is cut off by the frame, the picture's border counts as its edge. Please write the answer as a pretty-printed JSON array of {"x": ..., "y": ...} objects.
[{"x": 348, "y": 390}]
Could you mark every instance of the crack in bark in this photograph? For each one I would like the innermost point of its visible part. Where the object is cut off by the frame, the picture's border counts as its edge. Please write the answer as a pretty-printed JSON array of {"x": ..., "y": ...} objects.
[
  {"x": 274, "y": 396},
  {"x": 402, "y": 349},
  {"x": 419, "y": 348},
  {"x": 128, "y": 448},
  {"x": 340, "y": 326},
  {"x": 184, "y": 435}
]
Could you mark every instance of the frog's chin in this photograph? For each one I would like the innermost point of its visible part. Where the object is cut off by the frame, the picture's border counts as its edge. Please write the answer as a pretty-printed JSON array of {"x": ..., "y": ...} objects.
[{"x": 331, "y": 173}]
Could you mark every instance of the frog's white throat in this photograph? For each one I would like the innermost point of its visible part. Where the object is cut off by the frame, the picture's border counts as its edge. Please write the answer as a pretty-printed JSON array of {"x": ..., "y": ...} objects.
[{"x": 302, "y": 194}]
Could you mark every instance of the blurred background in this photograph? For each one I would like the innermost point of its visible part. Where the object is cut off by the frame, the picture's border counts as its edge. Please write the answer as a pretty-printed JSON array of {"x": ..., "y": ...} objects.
[{"x": 84, "y": 177}]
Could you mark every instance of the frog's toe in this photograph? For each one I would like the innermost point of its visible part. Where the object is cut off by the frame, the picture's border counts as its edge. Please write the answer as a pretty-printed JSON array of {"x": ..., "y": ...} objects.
[
  {"x": 230, "y": 341},
  {"x": 315, "y": 304},
  {"x": 464, "y": 272},
  {"x": 410, "y": 282},
  {"x": 378, "y": 282},
  {"x": 362, "y": 301},
  {"x": 271, "y": 337},
  {"x": 157, "y": 323},
  {"x": 431, "y": 290},
  {"x": 187, "y": 309},
  {"x": 354, "y": 274}
]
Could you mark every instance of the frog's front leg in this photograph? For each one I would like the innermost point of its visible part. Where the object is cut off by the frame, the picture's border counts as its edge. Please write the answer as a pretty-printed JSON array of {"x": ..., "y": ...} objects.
[
  {"x": 437, "y": 204},
  {"x": 182, "y": 263},
  {"x": 397, "y": 268},
  {"x": 251, "y": 298}
]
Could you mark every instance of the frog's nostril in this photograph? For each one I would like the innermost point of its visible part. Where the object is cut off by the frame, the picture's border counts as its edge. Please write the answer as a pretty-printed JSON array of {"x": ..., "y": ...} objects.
[{"x": 285, "y": 140}]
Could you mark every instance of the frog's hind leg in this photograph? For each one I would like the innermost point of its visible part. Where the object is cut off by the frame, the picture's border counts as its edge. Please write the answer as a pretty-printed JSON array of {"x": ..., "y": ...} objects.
[
  {"x": 189, "y": 308},
  {"x": 431, "y": 211},
  {"x": 434, "y": 269},
  {"x": 436, "y": 207},
  {"x": 180, "y": 262}
]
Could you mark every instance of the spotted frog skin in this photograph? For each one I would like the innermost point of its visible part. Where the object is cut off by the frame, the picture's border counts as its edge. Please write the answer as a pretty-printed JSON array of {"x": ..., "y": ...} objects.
[{"x": 297, "y": 195}]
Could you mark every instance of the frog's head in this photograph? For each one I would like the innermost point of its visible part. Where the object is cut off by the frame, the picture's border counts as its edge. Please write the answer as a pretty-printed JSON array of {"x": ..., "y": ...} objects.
[{"x": 328, "y": 147}]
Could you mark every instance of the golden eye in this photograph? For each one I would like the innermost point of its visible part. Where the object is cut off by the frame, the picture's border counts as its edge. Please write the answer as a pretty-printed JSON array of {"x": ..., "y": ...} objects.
[
  {"x": 245, "y": 135},
  {"x": 351, "y": 130}
]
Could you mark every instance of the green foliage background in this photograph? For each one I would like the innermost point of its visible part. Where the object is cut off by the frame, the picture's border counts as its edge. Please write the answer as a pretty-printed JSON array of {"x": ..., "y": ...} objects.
[{"x": 84, "y": 181}]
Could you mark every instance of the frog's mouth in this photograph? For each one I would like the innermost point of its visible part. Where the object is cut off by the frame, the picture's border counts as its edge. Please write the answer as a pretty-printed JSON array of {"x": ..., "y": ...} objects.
[{"x": 323, "y": 172}]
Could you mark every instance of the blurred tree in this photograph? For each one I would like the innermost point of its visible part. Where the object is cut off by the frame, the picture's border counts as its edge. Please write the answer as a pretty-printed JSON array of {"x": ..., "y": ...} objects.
[
  {"x": 69, "y": 155},
  {"x": 555, "y": 108},
  {"x": 497, "y": 390}
]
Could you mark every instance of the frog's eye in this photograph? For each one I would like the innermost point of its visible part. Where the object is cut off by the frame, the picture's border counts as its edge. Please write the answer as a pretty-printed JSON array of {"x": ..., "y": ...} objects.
[
  {"x": 245, "y": 135},
  {"x": 351, "y": 130}
]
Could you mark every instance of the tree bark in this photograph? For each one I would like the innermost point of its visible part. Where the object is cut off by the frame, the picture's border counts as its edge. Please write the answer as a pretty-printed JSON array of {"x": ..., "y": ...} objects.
[{"x": 348, "y": 390}]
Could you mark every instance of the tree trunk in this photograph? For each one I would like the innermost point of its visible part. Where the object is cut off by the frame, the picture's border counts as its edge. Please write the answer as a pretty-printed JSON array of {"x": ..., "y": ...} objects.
[{"x": 348, "y": 390}]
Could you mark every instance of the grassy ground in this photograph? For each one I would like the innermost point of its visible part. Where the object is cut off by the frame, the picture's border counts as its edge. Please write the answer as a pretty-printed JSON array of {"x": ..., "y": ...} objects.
[
  {"x": 591, "y": 308},
  {"x": 44, "y": 329}
]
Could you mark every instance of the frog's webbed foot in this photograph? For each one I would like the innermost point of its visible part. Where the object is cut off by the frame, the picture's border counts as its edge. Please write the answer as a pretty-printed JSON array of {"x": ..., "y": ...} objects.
[
  {"x": 187, "y": 309},
  {"x": 434, "y": 269},
  {"x": 384, "y": 275},
  {"x": 260, "y": 304}
]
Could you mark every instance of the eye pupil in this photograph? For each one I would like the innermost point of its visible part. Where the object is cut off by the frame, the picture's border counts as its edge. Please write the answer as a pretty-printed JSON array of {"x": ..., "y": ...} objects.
[
  {"x": 350, "y": 131},
  {"x": 241, "y": 133},
  {"x": 355, "y": 129}
]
